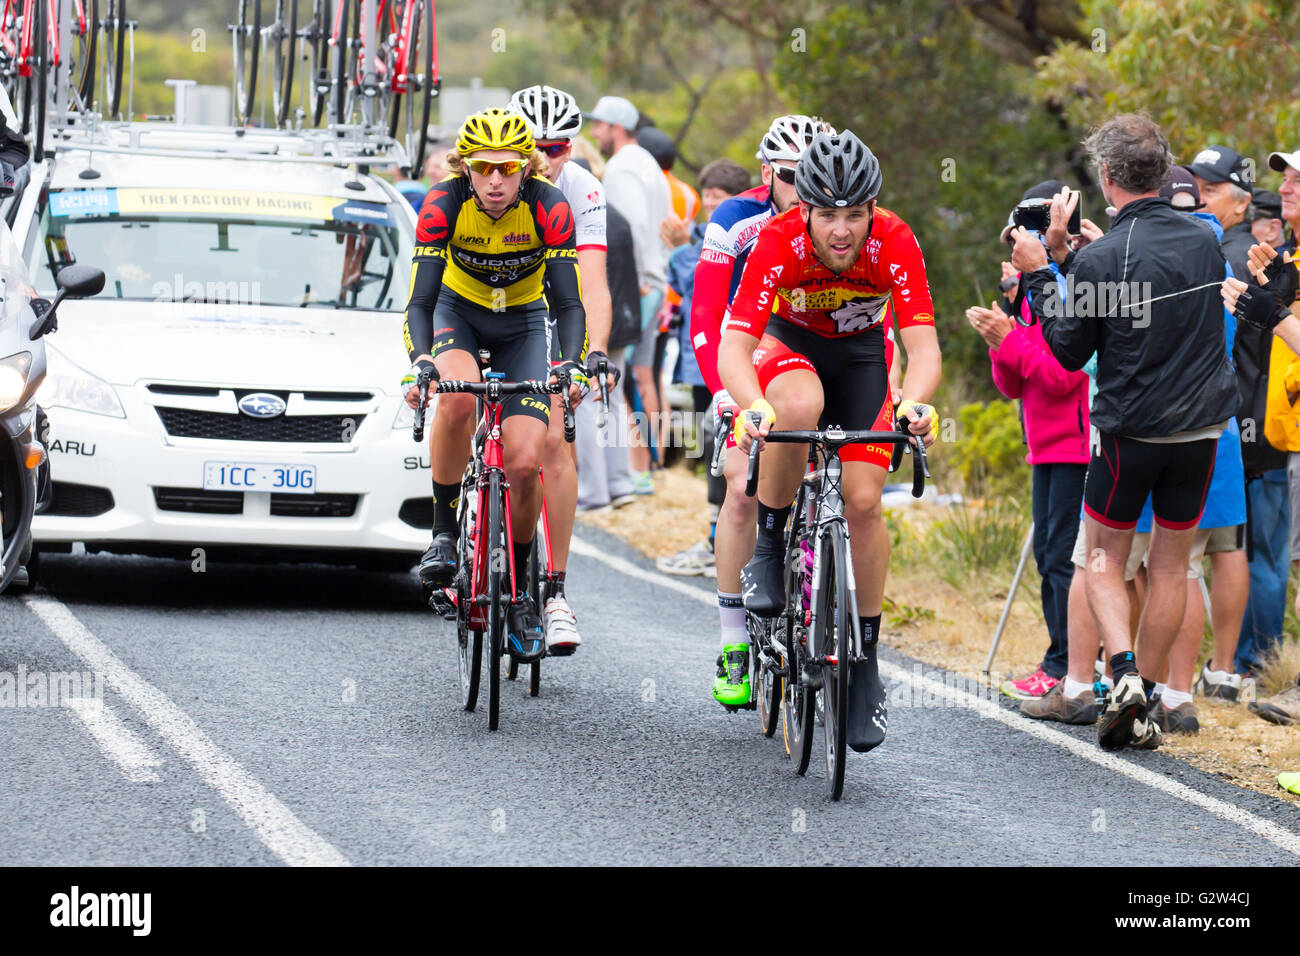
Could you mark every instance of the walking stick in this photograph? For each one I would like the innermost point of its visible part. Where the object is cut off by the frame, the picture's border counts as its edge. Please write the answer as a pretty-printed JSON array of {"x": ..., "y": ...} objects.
[{"x": 1011, "y": 596}]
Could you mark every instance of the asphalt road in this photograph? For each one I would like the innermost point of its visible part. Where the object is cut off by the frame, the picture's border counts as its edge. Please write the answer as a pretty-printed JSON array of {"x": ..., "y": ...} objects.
[{"x": 267, "y": 715}]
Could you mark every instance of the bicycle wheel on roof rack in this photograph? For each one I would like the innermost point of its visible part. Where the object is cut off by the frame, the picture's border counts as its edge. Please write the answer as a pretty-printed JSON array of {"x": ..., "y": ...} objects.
[
  {"x": 248, "y": 42},
  {"x": 317, "y": 37},
  {"x": 114, "y": 29},
  {"x": 34, "y": 81},
  {"x": 343, "y": 100},
  {"x": 81, "y": 62},
  {"x": 284, "y": 45},
  {"x": 416, "y": 86}
]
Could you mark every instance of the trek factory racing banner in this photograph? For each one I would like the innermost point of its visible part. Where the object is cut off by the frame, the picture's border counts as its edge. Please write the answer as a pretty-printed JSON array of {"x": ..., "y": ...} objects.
[{"x": 233, "y": 203}]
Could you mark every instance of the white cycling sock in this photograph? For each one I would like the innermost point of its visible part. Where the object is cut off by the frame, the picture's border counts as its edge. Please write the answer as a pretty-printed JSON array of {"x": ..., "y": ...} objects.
[
  {"x": 1174, "y": 698},
  {"x": 731, "y": 615},
  {"x": 1073, "y": 688},
  {"x": 1159, "y": 690}
]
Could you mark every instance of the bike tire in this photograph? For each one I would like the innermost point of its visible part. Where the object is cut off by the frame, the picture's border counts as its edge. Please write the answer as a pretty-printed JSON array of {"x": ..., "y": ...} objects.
[
  {"x": 836, "y": 631},
  {"x": 319, "y": 35},
  {"x": 496, "y": 598},
  {"x": 428, "y": 88},
  {"x": 285, "y": 56},
  {"x": 765, "y": 685},
  {"x": 114, "y": 24},
  {"x": 89, "y": 47},
  {"x": 469, "y": 640},
  {"x": 345, "y": 63},
  {"x": 798, "y": 703},
  {"x": 248, "y": 44}
]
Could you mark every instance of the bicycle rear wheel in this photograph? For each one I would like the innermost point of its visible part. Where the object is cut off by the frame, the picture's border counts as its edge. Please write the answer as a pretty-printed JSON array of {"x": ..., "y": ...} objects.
[
  {"x": 495, "y": 545},
  {"x": 798, "y": 702},
  {"x": 285, "y": 42},
  {"x": 835, "y": 633},
  {"x": 248, "y": 44}
]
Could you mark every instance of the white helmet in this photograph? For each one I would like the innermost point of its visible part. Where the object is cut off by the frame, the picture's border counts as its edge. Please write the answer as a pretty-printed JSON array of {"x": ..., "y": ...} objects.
[
  {"x": 789, "y": 136},
  {"x": 552, "y": 113}
]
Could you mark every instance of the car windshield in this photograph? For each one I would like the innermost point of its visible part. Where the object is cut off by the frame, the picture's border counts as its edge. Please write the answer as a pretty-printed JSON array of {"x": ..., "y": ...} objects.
[{"x": 226, "y": 246}]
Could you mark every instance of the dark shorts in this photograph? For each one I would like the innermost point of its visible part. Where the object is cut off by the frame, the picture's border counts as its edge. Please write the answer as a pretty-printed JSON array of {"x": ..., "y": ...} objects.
[
  {"x": 518, "y": 338},
  {"x": 853, "y": 373},
  {"x": 1123, "y": 471}
]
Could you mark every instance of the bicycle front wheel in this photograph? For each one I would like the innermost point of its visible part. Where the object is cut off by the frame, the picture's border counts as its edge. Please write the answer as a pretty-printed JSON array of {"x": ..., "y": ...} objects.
[
  {"x": 115, "y": 27},
  {"x": 836, "y": 640},
  {"x": 81, "y": 72},
  {"x": 495, "y": 544},
  {"x": 469, "y": 638},
  {"x": 248, "y": 44},
  {"x": 284, "y": 39}
]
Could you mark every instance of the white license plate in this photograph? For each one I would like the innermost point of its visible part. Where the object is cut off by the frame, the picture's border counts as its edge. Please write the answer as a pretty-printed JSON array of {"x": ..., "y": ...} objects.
[{"x": 245, "y": 476}]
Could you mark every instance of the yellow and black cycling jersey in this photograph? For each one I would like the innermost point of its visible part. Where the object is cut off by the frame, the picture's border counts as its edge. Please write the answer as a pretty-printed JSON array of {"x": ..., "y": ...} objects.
[{"x": 529, "y": 252}]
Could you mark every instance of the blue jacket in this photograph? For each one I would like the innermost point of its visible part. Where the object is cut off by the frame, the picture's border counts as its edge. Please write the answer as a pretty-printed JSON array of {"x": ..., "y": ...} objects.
[{"x": 681, "y": 278}]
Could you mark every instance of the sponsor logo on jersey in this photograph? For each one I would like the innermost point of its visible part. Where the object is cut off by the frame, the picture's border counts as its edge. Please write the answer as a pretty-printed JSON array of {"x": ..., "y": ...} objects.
[
  {"x": 516, "y": 238},
  {"x": 467, "y": 240}
]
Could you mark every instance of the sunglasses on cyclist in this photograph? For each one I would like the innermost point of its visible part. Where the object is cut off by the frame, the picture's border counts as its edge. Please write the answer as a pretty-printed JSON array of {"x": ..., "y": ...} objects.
[
  {"x": 784, "y": 173},
  {"x": 486, "y": 167},
  {"x": 554, "y": 150}
]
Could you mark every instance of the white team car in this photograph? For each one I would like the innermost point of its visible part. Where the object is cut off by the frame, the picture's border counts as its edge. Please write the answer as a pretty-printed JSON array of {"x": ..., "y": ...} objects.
[{"x": 235, "y": 387}]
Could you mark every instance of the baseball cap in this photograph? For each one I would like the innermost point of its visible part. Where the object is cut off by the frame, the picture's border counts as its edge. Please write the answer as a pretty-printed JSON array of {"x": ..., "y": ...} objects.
[
  {"x": 1044, "y": 190},
  {"x": 614, "y": 110},
  {"x": 1181, "y": 190},
  {"x": 1278, "y": 162},
  {"x": 1265, "y": 204},
  {"x": 658, "y": 144},
  {"x": 1218, "y": 164}
]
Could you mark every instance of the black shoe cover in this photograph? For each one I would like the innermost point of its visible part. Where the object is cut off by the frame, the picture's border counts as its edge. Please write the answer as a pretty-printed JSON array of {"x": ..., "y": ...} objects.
[{"x": 868, "y": 716}]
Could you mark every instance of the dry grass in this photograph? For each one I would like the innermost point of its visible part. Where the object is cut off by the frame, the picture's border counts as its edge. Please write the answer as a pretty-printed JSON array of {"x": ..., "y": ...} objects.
[{"x": 947, "y": 619}]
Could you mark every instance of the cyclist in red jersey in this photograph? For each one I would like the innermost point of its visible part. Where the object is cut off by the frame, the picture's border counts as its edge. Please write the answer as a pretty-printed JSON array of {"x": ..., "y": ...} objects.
[{"x": 803, "y": 346}]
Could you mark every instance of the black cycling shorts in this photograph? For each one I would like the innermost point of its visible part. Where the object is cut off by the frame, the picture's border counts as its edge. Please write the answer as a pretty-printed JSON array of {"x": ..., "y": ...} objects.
[
  {"x": 518, "y": 338},
  {"x": 854, "y": 377},
  {"x": 1123, "y": 471}
]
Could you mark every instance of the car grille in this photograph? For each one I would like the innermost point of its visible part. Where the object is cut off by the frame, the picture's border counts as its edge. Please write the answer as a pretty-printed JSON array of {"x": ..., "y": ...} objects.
[
  {"x": 314, "y": 506},
  {"x": 198, "y": 501},
  {"x": 78, "y": 501},
  {"x": 417, "y": 512},
  {"x": 319, "y": 429}
]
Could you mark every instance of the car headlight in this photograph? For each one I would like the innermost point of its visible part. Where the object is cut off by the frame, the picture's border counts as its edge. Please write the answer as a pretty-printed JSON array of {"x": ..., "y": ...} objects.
[
  {"x": 13, "y": 379},
  {"x": 67, "y": 386}
]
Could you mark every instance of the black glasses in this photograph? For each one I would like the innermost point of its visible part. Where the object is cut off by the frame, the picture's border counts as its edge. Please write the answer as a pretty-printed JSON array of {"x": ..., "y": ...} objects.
[
  {"x": 784, "y": 173},
  {"x": 554, "y": 150}
]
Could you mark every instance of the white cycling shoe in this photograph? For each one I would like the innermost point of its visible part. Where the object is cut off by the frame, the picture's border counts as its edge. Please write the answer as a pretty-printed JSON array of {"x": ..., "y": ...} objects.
[{"x": 561, "y": 628}]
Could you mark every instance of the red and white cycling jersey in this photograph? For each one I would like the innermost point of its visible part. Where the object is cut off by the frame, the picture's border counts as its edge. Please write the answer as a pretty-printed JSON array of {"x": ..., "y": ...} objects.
[
  {"x": 586, "y": 198},
  {"x": 784, "y": 275}
]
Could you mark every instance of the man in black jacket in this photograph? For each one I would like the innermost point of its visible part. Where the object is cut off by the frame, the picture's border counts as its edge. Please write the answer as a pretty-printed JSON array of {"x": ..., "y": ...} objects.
[{"x": 1145, "y": 298}]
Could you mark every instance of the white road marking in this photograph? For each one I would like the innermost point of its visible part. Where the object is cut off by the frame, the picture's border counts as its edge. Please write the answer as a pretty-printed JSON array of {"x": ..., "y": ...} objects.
[
  {"x": 1277, "y": 835},
  {"x": 119, "y": 743},
  {"x": 275, "y": 825}
]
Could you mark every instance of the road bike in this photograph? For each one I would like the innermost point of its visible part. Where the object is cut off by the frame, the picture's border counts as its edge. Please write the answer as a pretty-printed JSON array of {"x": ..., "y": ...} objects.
[
  {"x": 808, "y": 650},
  {"x": 484, "y": 584}
]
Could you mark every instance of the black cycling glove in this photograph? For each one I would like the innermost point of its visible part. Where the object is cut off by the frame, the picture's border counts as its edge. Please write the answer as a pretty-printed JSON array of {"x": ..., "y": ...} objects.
[
  {"x": 593, "y": 366},
  {"x": 1283, "y": 279},
  {"x": 1257, "y": 307}
]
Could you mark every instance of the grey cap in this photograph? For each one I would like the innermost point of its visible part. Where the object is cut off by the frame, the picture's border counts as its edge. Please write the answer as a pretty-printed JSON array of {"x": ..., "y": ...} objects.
[{"x": 616, "y": 111}]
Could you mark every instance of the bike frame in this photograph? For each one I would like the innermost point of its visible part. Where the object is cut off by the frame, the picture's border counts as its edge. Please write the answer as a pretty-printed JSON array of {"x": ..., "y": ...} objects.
[
  {"x": 491, "y": 460},
  {"x": 829, "y": 504}
]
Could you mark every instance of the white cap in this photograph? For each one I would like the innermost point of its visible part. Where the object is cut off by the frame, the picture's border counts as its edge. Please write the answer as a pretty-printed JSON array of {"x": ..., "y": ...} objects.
[
  {"x": 616, "y": 111},
  {"x": 1280, "y": 161}
]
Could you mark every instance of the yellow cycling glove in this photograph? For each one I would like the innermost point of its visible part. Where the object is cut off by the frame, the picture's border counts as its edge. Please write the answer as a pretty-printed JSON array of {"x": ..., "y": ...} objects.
[
  {"x": 922, "y": 410},
  {"x": 766, "y": 416}
]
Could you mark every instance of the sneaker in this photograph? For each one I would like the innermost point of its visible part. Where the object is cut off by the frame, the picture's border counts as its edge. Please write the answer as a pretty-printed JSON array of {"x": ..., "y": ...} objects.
[
  {"x": 1176, "y": 720},
  {"x": 438, "y": 566},
  {"x": 561, "y": 628},
  {"x": 731, "y": 686},
  {"x": 1218, "y": 684},
  {"x": 1145, "y": 735},
  {"x": 1283, "y": 708},
  {"x": 1032, "y": 687},
  {"x": 595, "y": 509},
  {"x": 643, "y": 483},
  {"x": 762, "y": 581},
  {"x": 622, "y": 501},
  {"x": 697, "y": 559},
  {"x": 1054, "y": 705},
  {"x": 1289, "y": 780},
  {"x": 524, "y": 631},
  {"x": 1125, "y": 708}
]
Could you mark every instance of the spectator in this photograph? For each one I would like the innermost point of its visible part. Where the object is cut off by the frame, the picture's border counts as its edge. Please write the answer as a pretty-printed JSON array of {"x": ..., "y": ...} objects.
[
  {"x": 1054, "y": 408},
  {"x": 1266, "y": 223},
  {"x": 719, "y": 180},
  {"x": 435, "y": 161},
  {"x": 685, "y": 201},
  {"x": 1165, "y": 392},
  {"x": 635, "y": 186},
  {"x": 412, "y": 190}
]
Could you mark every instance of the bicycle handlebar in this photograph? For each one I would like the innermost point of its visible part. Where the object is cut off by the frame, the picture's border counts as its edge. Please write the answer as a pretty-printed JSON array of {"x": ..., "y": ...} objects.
[
  {"x": 720, "y": 432},
  {"x": 835, "y": 438},
  {"x": 602, "y": 413},
  {"x": 492, "y": 390}
]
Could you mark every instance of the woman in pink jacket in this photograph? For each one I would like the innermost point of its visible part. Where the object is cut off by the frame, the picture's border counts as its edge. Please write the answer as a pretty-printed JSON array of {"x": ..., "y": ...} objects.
[{"x": 1054, "y": 412}]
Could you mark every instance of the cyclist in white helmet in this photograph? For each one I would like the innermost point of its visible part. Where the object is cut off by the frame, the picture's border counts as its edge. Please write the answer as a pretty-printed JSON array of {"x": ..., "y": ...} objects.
[{"x": 555, "y": 120}]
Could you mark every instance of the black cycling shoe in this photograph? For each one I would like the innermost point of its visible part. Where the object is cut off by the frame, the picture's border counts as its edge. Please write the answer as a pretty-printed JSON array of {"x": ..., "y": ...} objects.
[
  {"x": 525, "y": 640},
  {"x": 762, "y": 581},
  {"x": 438, "y": 566}
]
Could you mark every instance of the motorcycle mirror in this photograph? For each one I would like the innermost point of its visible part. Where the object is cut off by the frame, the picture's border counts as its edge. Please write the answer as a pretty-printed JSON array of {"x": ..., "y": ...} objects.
[{"x": 80, "y": 282}]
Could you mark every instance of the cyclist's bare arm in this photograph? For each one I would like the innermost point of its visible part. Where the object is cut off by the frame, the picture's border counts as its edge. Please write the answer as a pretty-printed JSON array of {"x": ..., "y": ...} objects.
[
  {"x": 924, "y": 368},
  {"x": 595, "y": 297}
]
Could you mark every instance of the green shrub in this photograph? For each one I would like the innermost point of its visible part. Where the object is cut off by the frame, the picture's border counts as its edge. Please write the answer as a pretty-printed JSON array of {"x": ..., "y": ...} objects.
[
  {"x": 989, "y": 454},
  {"x": 979, "y": 541}
]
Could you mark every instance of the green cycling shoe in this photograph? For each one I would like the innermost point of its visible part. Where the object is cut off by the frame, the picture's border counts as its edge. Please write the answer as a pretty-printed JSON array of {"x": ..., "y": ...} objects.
[{"x": 731, "y": 686}]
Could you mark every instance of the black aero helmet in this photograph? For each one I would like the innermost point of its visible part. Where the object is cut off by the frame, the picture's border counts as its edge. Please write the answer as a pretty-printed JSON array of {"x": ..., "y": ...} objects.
[{"x": 837, "y": 170}]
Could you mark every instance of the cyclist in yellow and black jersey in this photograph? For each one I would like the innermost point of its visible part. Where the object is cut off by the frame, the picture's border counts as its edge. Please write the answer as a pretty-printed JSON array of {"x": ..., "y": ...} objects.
[{"x": 495, "y": 247}]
